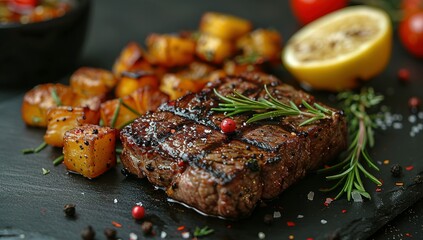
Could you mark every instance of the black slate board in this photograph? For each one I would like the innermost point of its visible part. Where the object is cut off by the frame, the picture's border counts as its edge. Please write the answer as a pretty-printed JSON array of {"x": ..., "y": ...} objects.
[{"x": 31, "y": 203}]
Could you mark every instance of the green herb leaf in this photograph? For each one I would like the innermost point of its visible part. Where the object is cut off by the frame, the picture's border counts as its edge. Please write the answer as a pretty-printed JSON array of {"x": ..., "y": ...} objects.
[
  {"x": 58, "y": 160},
  {"x": 361, "y": 127},
  {"x": 200, "y": 232},
  {"x": 56, "y": 97},
  {"x": 45, "y": 171},
  {"x": 269, "y": 108},
  {"x": 35, "y": 150}
]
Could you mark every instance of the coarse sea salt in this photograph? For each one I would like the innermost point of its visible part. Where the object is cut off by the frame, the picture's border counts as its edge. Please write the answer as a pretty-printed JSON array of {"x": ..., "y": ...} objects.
[
  {"x": 185, "y": 235},
  {"x": 115, "y": 200},
  {"x": 261, "y": 235},
  {"x": 323, "y": 221},
  {"x": 310, "y": 196},
  {"x": 276, "y": 214},
  {"x": 133, "y": 236},
  {"x": 300, "y": 216},
  {"x": 356, "y": 196},
  {"x": 163, "y": 234}
]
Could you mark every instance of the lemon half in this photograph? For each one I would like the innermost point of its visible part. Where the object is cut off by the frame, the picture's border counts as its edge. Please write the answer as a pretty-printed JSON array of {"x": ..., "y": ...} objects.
[{"x": 338, "y": 50}]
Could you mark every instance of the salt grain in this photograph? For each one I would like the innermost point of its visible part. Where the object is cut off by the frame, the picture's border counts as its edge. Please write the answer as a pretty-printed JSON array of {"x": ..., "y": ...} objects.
[
  {"x": 138, "y": 203},
  {"x": 133, "y": 236},
  {"x": 261, "y": 235},
  {"x": 323, "y": 221},
  {"x": 356, "y": 196},
  {"x": 185, "y": 235},
  {"x": 115, "y": 201},
  {"x": 276, "y": 214},
  {"x": 300, "y": 216},
  {"x": 412, "y": 118},
  {"x": 397, "y": 125},
  {"x": 310, "y": 196},
  {"x": 163, "y": 234}
]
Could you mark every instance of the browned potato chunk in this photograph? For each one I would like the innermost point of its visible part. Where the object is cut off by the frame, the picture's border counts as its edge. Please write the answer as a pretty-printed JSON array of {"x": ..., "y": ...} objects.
[
  {"x": 130, "y": 55},
  {"x": 131, "y": 81},
  {"x": 38, "y": 100},
  {"x": 176, "y": 85},
  {"x": 62, "y": 119},
  {"x": 93, "y": 102},
  {"x": 92, "y": 81},
  {"x": 224, "y": 26},
  {"x": 234, "y": 68},
  {"x": 262, "y": 42},
  {"x": 170, "y": 50},
  {"x": 148, "y": 99},
  {"x": 115, "y": 114},
  {"x": 213, "y": 49},
  {"x": 90, "y": 150}
]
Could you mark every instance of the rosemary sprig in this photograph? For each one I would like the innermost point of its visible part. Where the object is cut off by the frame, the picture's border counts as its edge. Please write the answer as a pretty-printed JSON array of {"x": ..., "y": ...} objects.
[
  {"x": 238, "y": 103},
  {"x": 200, "y": 232},
  {"x": 361, "y": 133},
  {"x": 58, "y": 160}
]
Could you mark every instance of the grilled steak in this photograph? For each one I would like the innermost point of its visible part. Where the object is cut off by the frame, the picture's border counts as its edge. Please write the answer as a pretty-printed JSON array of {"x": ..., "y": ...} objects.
[{"x": 181, "y": 148}]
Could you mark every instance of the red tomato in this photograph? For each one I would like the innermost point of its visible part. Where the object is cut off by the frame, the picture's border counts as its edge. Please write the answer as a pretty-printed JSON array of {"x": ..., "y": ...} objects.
[
  {"x": 309, "y": 10},
  {"x": 410, "y": 7},
  {"x": 31, "y": 3},
  {"x": 411, "y": 33}
]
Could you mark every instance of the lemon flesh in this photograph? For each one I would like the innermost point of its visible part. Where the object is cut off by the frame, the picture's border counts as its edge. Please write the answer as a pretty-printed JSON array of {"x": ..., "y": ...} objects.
[{"x": 338, "y": 50}]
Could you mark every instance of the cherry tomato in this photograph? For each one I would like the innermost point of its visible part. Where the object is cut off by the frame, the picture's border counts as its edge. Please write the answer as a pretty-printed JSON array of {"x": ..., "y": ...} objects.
[
  {"x": 31, "y": 3},
  {"x": 309, "y": 10},
  {"x": 228, "y": 125},
  {"x": 411, "y": 33},
  {"x": 138, "y": 212},
  {"x": 410, "y": 7}
]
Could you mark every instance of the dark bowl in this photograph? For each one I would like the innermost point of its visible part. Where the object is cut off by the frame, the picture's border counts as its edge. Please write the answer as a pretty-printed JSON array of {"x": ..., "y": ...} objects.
[{"x": 43, "y": 51}]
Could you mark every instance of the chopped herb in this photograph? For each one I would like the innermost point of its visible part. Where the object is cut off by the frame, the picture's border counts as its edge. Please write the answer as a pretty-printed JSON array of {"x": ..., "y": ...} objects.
[
  {"x": 36, "y": 119},
  {"x": 45, "y": 171},
  {"x": 116, "y": 113},
  {"x": 119, "y": 150},
  {"x": 131, "y": 109},
  {"x": 253, "y": 58},
  {"x": 56, "y": 97},
  {"x": 58, "y": 160},
  {"x": 35, "y": 150},
  {"x": 200, "y": 232},
  {"x": 101, "y": 123}
]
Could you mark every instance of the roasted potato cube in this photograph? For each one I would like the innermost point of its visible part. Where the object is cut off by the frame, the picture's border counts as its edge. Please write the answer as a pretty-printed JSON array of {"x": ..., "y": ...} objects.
[
  {"x": 224, "y": 26},
  {"x": 148, "y": 99},
  {"x": 115, "y": 114},
  {"x": 62, "y": 119},
  {"x": 170, "y": 50},
  {"x": 131, "y": 81},
  {"x": 176, "y": 85},
  {"x": 213, "y": 49},
  {"x": 92, "y": 102},
  {"x": 265, "y": 43},
  {"x": 130, "y": 55},
  {"x": 92, "y": 81},
  {"x": 38, "y": 100},
  {"x": 234, "y": 68},
  {"x": 90, "y": 150}
]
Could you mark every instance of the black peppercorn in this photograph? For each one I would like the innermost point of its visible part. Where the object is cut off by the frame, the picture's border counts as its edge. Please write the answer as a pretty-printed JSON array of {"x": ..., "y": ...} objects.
[
  {"x": 69, "y": 210},
  {"x": 396, "y": 170},
  {"x": 147, "y": 227},
  {"x": 110, "y": 233},
  {"x": 268, "y": 219},
  {"x": 125, "y": 172},
  {"x": 88, "y": 233}
]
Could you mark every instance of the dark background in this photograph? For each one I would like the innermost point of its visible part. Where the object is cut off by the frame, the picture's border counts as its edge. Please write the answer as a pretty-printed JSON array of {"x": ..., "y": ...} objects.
[{"x": 31, "y": 203}]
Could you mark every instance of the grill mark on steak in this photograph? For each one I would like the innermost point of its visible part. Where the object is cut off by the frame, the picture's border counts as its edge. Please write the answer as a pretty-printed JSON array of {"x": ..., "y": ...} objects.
[{"x": 226, "y": 175}]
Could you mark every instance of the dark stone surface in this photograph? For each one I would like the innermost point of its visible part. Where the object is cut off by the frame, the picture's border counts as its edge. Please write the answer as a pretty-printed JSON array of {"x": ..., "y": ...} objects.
[{"x": 32, "y": 203}]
